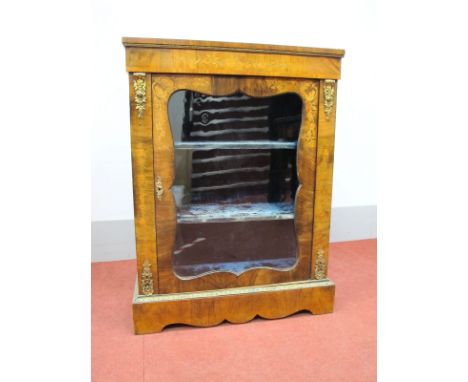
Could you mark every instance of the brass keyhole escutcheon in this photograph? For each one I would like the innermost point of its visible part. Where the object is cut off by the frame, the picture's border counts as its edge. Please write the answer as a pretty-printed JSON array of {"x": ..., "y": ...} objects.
[{"x": 159, "y": 188}]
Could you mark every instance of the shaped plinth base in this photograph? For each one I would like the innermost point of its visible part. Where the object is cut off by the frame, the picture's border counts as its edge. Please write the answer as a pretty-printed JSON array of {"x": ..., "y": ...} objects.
[{"x": 236, "y": 305}]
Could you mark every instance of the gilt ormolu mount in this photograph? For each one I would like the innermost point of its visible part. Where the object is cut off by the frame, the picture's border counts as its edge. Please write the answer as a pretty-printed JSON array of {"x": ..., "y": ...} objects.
[{"x": 232, "y": 154}]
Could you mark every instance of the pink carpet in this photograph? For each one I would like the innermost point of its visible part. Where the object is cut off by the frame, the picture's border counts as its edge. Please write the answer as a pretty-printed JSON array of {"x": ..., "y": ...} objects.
[{"x": 335, "y": 347}]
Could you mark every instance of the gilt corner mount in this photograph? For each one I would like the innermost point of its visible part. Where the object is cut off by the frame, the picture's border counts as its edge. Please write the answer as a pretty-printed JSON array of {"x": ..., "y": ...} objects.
[{"x": 139, "y": 87}]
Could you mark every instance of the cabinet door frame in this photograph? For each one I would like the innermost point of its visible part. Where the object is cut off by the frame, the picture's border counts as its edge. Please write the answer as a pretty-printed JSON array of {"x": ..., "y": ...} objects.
[{"x": 162, "y": 87}]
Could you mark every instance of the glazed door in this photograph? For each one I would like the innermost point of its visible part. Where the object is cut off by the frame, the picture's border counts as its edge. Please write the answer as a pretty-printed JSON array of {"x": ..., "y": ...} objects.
[{"x": 234, "y": 166}]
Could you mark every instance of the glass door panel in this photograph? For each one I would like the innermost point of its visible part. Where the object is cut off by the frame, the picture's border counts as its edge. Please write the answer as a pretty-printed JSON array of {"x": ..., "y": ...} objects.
[{"x": 235, "y": 181}]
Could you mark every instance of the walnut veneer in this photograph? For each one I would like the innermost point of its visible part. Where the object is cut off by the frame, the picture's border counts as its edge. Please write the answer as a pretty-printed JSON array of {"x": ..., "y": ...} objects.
[{"x": 158, "y": 68}]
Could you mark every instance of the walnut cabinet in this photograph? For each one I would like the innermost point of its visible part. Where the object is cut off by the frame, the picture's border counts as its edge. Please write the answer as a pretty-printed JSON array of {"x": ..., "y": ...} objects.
[{"x": 232, "y": 158}]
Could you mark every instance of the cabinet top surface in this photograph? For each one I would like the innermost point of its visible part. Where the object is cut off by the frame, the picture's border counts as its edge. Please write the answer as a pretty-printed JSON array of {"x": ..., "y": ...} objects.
[{"x": 229, "y": 46}]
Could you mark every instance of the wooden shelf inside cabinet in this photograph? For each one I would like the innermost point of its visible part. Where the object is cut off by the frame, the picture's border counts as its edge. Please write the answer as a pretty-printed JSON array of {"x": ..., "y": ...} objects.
[
  {"x": 212, "y": 145},
  {"x": 218, "y": 213},
  {"x": 232, "y": 161}
]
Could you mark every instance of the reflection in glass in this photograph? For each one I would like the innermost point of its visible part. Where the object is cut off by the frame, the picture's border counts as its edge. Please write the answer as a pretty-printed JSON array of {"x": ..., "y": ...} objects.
[{"x": 235, "y": 181}]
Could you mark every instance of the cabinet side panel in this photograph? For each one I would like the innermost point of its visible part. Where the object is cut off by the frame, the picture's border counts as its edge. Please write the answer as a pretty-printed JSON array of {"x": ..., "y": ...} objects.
[
  {"x": 143, "y": 181},
  {"x": 324, "y": 178}
]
